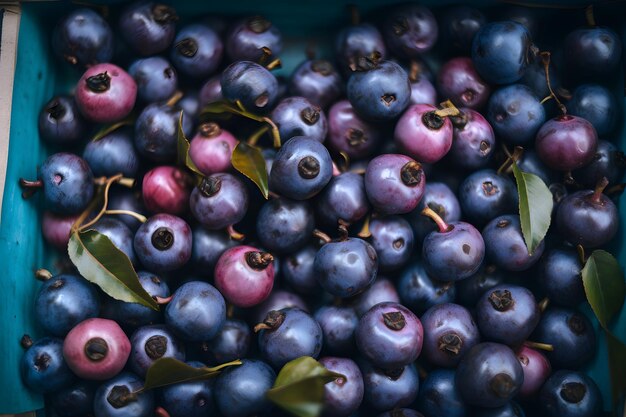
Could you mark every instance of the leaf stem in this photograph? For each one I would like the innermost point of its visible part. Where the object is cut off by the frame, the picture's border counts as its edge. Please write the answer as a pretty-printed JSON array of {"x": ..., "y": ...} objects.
[
  {"x": 254, "y": 138},
  {"x": 235, "y": 235},
  {"x": 448, "y": 109},
  {"x": 545, "y": 59},
  {"x": 322, "y": 236},
  {"x": 174, "y": 99},
  {"x": 441, "y": 224},
  {"x": 105, "y": 195},
  {"x": 43, "y": 274},
  {"x": 137, "y": 216},
  {"x": 365, "y": 232},
  {"x": 538, "y": 345}
]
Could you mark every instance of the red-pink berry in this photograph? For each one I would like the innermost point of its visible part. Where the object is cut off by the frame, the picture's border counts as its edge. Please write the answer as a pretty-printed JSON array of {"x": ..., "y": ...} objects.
[
  {"x": 166, "y": 189},
  {"x": 56, "y": 228},
  {"x": 536, "y": 369},
  {"x": 211, "y": 149},
  {"x": 96, "y": 349}
]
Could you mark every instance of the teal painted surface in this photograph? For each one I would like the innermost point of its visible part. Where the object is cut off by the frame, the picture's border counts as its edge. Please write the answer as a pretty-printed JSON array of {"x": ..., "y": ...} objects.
[{"x": 38, "y": 77}]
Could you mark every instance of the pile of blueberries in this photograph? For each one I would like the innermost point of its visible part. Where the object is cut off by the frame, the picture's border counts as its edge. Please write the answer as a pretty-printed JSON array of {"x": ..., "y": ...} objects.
[{"x": 390, "y": 247}]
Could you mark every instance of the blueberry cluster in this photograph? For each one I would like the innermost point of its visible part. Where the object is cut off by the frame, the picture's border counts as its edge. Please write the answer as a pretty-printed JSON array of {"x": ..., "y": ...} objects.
[{"x": 391, "y": 245}]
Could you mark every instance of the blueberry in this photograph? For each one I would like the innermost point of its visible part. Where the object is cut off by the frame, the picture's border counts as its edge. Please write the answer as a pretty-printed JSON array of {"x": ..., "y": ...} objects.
[
  {"x": 83, "y": 38},
  {"x": 240, "y": 390},
  {"x": 197, "y": 51},
  {"x": 531, "y": 163},
  {"x": 507, "y": 314},
  {"x": 449, "y": 332},
  {"x": 75, "y": 400},
  {"x": 516, "y": 114},
  {"x": 401, "y": 412},
  {"x": 67, "y": 183},
  {"x": 570, "y": 394},
  {"x": 134, "y": 314},
  {"x": 489, "y": 375},
  {"x": 60, "y": 121},
  {"x": 392, "y": 238},
  {"x": 301, "y": 169},
  {"x": 232, "y": 342},
  {"x": 608, "y": 162},
  {"x": 410, "y": 30},
  {"x": 197, "y": 311},
  {"x": 460, "y": 83},
  {"x": 510, "y": 409},
  {"x": 342, "y": 396},
  {"x": 440, "y": 198},
  {"x": 571, "y": 335},
  {"x": 394, "y": 183},
  {"x": 285, "y": 226},
  {"x": 150, "y": 343},
  {"x": 596, "y": 104},
  {"x": 347, "y": 267},
  {"x": 458, "y": 27},
  {"x": 211, "y": 90},
  {"x": 588, "y": 218},
  {"x": 471, "y": 289},
  {"x": 123, "y": 199},
  {"x": 343, "y": 199},
  {"x": 189, "y": 399},
  {"x": 473, "y": 141},
  {"x": 250, "y": 83},
  {"x": 288, "y": 334},
  {"x": 296, "y": 116},
  {"x": 566, "y": 142},
  {"x": 112, "y": 398},
  {"x": 381, "y": 93},
  {"x": 505, "y": 245},
  {"x": 63, "y": 301},
  {"x": 278, "y": 300},
  {"x": 355, "y": 42},
  {"x": 43, "y": 368},
  {"x": 318, "y": 81},
  {"x": 484, "y": 195},
  {"x": 156, "y": 79},
  {"x": 113, "y": 154},
  {"x": 338, "y": 325},
  {"x": 208, "y": 246},
  {"x": 119, "y": 234},
  {"x": 439, "y": 396},
  {"x": 163, "y": 243},
  {"x": 246, "y": 38},
  {"x": 535, "y": 77},
  {"x": 382, "y": 290},
  {"x": 501, "y": 51},
  {"x": 297, "y": 270},
  {"x": 419, "y": 292},
  {"x": 390, "y": 389},
  {"x": 389, "y": 335},
  {"x": 559, "y": 274},
  {"x": 592, "y": 52},
  {"x": 220, "y": 200},
  {"x": 148, "y": 27},
  {"x": 156, "y": 131},
  {"x": 350, "y": 133}
]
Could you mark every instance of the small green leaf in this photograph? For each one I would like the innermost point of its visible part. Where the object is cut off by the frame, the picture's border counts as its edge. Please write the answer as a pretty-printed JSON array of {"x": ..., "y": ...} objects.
[
  {"x": 168, "y": 371},
  {"x": 535, "y": 207},
  {"x": 617, "y": 367},
  {"x": 101, "y": 262},
  {"x": 182, "y": 149},
  {"x": 249, "y": 161},
  {"x": 603, "y": 280},
  {"x": 299, "y": 387},
  {"x": 105, "y": 130}
]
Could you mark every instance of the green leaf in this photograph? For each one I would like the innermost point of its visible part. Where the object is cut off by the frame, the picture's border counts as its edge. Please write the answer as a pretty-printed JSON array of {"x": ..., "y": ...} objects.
[
  {"x": 535, "y": 207},
  {"x": 603, "y": 280},
  {"x": 105, "y": 130},
  {"x": 249, "y": 160},
  {"x": 617, "y": 367},
  {"x": 182, "y": 149},
  {"x": 168, "y": 371},
  {"x": 101, "y": 262},
  {"x": 299, "y": 387}
]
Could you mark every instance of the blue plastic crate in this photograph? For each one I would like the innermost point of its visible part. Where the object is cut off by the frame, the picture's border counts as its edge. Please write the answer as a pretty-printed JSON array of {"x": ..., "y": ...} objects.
[{"x": 38, "y": 76}]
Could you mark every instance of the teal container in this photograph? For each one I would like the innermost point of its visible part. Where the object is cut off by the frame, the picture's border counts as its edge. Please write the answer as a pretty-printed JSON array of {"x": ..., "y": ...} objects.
[{"x": 38, "y": 76}]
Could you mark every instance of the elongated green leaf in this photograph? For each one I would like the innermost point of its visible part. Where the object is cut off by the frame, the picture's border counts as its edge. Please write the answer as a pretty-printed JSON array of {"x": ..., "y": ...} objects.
[
  {"x": 249, "y": 161},
  {"x": 603, "y": 280},
  {"x": 535, "y": 207},
  {"x": 105, "y": 130},
  {"x": 617, "y": 367},
  {"x": 182, "y": 149},
  {"x": 101, "y": 262},
  {"x": 168, "y": 371},
  {"x": 299, "y": 387}
]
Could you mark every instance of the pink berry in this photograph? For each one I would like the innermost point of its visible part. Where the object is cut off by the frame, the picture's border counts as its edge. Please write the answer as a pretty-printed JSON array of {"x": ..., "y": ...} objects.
[
  {"x": 536, "y": 370},
  {"x": 166, "y": 189},
  {"x": 106, "y": 93},
  {"x": 422, "y": 134},
  {"x": 56, "y": 228},
  {"x": 245, "y": 275},
  {"x": 96, "y": 349},
  {"x": 212, "y": 148}
]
